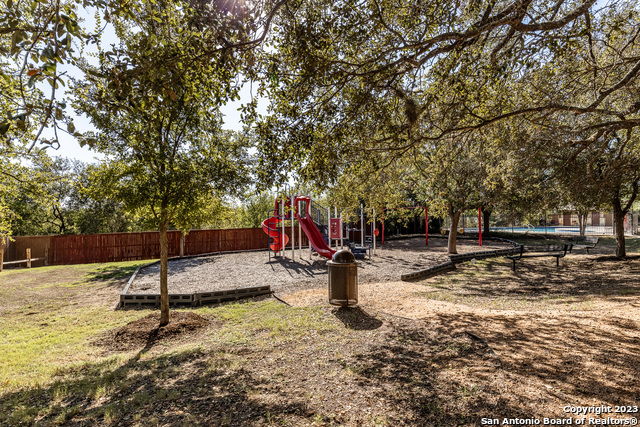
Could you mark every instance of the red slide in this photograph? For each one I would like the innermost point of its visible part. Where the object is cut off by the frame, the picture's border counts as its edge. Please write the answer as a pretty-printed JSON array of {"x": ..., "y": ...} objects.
[
  {"x": 270, "y": 226},
  {"x": 312, "y": 232}
]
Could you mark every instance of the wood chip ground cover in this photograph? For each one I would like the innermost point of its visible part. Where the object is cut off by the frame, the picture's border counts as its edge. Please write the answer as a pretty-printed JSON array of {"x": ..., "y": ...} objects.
[
  {"x": 248, "y": 269},
  {"x": 478, "y": 342}
]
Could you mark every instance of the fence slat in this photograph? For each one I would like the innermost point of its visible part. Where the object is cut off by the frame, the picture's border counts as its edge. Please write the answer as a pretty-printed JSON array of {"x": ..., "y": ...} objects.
[{"x": 112, "y": 247}]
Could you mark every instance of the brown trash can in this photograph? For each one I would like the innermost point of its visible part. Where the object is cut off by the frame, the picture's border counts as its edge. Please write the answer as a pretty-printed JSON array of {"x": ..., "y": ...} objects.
[{"x": 343, "y": 279}]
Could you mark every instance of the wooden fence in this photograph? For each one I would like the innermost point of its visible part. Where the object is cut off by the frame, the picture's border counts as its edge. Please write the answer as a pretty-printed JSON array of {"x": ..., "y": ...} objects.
[
  {"x": 39, "y": 245},
  {"x": 112, "y": 247}
]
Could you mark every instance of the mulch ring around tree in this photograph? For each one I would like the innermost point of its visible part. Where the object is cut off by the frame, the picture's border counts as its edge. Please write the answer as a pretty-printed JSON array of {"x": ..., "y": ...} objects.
[{"x": 145, "y": 332}]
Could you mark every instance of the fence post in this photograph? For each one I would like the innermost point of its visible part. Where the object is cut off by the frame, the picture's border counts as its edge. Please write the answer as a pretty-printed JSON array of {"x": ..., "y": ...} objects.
[
  {"x": 46, "y": 256},
  {"x": 4, "y": 244},
  {"x": 28, "y": 257}
]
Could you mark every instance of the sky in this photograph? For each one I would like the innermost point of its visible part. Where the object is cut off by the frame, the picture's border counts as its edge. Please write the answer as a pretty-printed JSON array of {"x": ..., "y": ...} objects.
[{"x": 69, "y": 146}]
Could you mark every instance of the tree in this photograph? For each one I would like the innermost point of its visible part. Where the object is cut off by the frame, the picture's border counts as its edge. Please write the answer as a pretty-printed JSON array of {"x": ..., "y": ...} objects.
[
  {"x": 425, "y": 73},
  {"x": 157, "y": 109},
  {"x": 40, "y": 38},
  {"x": 205, "y": 209},
  {"x": 607, "y": 173},
  {"x": 476, "y": 63},
  {"x": 256, "y": 209},
  {"x": 578, "y": 191},
  {"x": 452, "y": 183},
  {"x": 23, "y": 189}
]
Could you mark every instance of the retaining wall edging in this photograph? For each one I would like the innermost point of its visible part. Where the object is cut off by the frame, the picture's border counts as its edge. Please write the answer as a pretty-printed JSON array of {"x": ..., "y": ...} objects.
[
  {"x": 189, "y": 300},
  {"x": 458, "y": 258}
]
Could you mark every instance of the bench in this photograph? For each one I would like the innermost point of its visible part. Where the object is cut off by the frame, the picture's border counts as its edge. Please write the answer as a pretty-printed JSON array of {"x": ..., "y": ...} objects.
[
  {"x": 360, "y": 251},
  {"x": 582, "y": 242},
  {"x": 536, "y": 251}
]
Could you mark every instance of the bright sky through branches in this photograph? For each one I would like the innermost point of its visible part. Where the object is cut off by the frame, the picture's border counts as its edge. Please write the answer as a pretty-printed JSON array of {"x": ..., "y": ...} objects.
[{"x": 69, "y": 146}]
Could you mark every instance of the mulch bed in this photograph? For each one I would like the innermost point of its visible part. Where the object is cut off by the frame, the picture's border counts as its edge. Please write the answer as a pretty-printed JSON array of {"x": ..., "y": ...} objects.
[
  {"x": 144, "y": 332},
  {"x": 249, "y": 269}
]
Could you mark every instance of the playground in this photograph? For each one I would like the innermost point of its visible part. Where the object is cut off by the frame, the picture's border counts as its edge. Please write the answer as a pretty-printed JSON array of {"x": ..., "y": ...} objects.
[
  {"x": 229, "y": 271},
  {"x": 480, "y": 341}
]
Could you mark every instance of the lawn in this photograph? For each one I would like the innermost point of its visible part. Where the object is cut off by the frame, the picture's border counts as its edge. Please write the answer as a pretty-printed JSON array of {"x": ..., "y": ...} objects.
[{"x": 479, "y": 342}]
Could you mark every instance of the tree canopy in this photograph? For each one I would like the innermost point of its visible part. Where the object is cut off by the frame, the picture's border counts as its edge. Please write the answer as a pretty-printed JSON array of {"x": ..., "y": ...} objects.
[
  {"x": 379, "y": 81},
  {"x": 156, "y": 105}
]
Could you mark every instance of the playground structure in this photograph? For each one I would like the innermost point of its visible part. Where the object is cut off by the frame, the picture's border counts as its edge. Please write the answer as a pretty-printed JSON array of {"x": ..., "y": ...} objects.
[
  {"x": 325, "y": 231},
  {"x": 322, "y": 230}
]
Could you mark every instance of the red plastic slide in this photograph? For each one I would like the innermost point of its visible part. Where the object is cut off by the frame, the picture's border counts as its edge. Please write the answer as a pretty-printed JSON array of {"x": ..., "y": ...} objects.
[
  {"x": 312, "y": 232},
  {"x": 270, "y": 226}
]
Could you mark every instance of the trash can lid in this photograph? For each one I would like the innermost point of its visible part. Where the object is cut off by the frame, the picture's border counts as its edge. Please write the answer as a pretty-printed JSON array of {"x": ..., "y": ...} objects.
[{"x": 343, "y": 256}]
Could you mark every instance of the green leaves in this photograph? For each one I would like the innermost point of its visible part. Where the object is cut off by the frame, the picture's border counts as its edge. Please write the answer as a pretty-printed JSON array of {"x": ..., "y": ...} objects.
[
  {"x": 16, "y": 38},
  {"x": 155, "y": 101},
  {"x": 4, "y": 127}
]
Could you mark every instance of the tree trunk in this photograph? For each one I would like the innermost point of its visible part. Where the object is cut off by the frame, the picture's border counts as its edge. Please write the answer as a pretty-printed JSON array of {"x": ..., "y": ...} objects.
[
  {"x": 618, "y": 220},
  {"x": 164, "y": 268},
  {"x": 582, "y": 223},
  {"x": 453, "y": 232},
  {"x": 182, "y": 237},
  {"x": 486, "y": 228}
]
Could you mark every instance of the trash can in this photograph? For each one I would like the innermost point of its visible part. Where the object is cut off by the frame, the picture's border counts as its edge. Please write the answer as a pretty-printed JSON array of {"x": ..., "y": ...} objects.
[{"x": 343, "y": 279}]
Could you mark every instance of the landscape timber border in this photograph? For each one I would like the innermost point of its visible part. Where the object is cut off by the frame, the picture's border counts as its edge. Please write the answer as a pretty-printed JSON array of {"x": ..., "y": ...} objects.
[
  {"x": 192, "y": 299},
  {"x": 458, "y": 258},
  {"x": 220, "y": 296}
]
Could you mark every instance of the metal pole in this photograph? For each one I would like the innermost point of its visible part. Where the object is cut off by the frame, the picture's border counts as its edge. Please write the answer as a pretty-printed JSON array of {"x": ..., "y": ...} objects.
[
  {"x": 308, "y": 209},
  {"x": 293, "y": 230},
  {"x": 341, "y": 234},
  {"x": 299, "y": 229},
  {"x": 479, "y": 225},
  {"x": 335, "y": 215},
  {"x": 426, "y": 226},
  {"x": 328, "y": 226},
  {"x": 361, "y": 224},
  {"x": 283, "y": 230},
  {"x": 373, "y": 231}
]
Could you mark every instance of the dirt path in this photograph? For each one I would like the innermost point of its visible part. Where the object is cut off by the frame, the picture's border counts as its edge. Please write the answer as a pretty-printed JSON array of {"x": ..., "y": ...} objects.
[{"x": 581, "y": 346}]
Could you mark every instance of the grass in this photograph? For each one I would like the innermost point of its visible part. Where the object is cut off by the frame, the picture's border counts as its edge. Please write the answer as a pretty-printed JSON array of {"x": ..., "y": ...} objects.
[
  {"x": 49, "y": 315},
  {"x": 273, "y": 322},
  {"x": 578, "y": 284},
  {"x": 265, "y": 363},
  {"x": 59, "y": 365}
]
